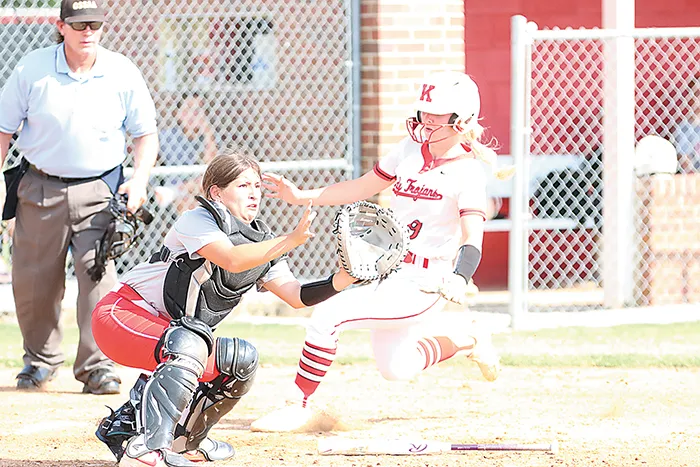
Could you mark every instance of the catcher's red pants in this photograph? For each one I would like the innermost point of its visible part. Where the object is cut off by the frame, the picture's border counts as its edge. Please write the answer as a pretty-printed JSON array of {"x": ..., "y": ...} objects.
[{"x": 128, "y": 334}]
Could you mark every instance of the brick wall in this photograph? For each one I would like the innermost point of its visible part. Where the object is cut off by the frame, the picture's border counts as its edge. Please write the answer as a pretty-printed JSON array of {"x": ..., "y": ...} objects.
[
  {"x": 671, "y": 246},
  {"x": 402, "y": 41}
]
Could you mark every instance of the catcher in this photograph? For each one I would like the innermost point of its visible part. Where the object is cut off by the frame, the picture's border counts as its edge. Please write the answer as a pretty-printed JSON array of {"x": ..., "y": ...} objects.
[
  {"x": 439, "y": 192},
  {"x": 161, "y": 316}
]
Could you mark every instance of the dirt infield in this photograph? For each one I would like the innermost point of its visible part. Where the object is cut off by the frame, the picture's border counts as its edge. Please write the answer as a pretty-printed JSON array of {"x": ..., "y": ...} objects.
[{"x": 601, "y": 417}]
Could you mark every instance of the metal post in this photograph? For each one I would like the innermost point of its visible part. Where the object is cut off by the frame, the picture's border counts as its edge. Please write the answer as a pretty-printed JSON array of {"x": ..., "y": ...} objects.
[
  {"x": 618, "y": 154},
  {"x": 356, "y": 87},
  {"x": 517, "y": 247}
]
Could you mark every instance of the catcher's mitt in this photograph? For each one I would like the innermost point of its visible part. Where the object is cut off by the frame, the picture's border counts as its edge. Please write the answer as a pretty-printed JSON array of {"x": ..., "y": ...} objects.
[{"x": 371, "y": 242}]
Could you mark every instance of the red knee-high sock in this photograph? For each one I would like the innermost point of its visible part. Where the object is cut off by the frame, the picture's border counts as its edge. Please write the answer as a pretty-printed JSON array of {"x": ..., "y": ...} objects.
[
  {"x": 437, "y": 349},
  {"x": 313, "y": 366}
]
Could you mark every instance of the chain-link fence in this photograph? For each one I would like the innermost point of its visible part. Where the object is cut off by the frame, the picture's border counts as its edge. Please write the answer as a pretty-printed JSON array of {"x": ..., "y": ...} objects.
[
  {"x": 274, "y": 79},
  {"x": 562, "y": 79}
]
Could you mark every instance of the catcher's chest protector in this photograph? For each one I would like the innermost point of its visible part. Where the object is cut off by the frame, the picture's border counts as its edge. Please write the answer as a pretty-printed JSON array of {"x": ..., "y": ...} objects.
[{"x": 196, "y": 287}]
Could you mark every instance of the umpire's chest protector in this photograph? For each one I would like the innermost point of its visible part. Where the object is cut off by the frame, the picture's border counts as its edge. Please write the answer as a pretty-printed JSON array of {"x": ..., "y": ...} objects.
[{"x": 197, "y": 287}]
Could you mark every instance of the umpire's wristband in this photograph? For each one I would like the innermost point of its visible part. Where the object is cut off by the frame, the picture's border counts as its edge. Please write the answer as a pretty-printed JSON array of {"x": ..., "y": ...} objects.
[
  {"x": 468, "y": 260},
  {"x": 316, "y": 292}
]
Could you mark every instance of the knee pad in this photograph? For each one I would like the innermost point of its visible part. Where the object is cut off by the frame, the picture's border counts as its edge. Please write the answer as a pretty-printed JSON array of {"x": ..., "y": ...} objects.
[
  {"x": 185, "y": 347},
  {"x": 200, "y": 328},
  {"x": 237, "y": 359}
]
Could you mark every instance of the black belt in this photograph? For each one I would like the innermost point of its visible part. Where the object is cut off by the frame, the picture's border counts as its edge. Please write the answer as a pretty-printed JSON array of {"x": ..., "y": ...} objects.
[{"x": 43, "y": 174}]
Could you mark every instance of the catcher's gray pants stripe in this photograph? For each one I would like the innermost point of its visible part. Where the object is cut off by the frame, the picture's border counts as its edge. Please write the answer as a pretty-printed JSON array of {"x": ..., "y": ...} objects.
[{"x": 52, "y": 217}]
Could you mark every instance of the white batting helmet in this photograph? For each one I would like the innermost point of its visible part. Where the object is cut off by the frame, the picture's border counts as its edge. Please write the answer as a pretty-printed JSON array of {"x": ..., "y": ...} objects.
[
  {"x": 655, "y": 155},
  {"x": 447, "y": 92}
]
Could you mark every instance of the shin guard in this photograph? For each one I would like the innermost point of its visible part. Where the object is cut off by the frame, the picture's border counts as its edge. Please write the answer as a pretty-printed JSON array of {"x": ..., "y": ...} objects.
[
  {"x": 237, "y": 360},
  {"x": 169, "y": 390}
]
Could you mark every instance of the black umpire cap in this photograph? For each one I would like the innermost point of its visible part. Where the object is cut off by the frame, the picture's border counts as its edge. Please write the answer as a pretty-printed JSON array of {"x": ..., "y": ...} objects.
[{"x": 73, "y": 11}]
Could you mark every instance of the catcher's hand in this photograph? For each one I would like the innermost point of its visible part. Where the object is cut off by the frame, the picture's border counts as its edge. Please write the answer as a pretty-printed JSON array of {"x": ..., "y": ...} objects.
[
  {"x": 452, "y": 287},
  {"x": 303, "y": 230},
  {"x": 371, "y": 242}
]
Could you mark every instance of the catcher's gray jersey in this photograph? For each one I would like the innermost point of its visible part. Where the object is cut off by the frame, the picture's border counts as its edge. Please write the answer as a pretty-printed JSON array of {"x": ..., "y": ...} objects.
[{"x": 193, "y": 230}]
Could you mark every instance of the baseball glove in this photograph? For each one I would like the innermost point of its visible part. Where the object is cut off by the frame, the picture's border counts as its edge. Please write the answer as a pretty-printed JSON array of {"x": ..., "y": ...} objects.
[{"x": 371, "y": 242}]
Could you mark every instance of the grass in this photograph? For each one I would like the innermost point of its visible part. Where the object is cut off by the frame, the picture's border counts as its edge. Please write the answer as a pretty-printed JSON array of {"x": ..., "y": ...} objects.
[
  {"x": 627, "y": 346},
  {"x": 677, "y": 332},
  {"x": 625, "y": 360}
]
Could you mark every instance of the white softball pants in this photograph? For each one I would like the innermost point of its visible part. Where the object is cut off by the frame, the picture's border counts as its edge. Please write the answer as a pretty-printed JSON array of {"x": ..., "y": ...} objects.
[{"x": 396, "y": 311}]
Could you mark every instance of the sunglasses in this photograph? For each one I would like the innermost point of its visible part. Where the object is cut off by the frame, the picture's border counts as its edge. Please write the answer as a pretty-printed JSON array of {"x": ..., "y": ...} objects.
[{"x": 82, "y": 26}]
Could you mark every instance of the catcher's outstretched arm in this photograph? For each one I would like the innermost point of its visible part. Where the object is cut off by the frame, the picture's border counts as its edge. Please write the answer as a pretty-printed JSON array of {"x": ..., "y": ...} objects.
[
  {"x": 345, "y": 192},
  {"x": 291, "y": 291},
  {"x": 239, "y": 258}
]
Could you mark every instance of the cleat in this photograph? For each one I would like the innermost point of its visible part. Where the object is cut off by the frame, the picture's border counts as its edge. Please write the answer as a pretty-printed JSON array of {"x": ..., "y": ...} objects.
[
  {"x": 476, "y": 345},
  {"x": 156, "y": 458},
  {"x": 120, "y": 426},
  {"x": 115, "y": 441},
  {"x": 149, "y": 459},
  {"x": 294, "y": 419},
  {"x": 33, "y": 378},
  {"x": 102, "y": 381},
  {"x": 484, "y": 355},
  {"x": 210, "y": 450},
  {"x": 138, "y": 455}
]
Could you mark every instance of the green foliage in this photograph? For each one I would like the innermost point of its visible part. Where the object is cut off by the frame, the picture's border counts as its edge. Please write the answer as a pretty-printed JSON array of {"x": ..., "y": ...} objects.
[{"x": 36, "y": 3}]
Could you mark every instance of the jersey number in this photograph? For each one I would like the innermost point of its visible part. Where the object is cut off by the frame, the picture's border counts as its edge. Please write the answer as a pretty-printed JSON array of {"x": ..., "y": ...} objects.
[{"x": 415, "y": 227}]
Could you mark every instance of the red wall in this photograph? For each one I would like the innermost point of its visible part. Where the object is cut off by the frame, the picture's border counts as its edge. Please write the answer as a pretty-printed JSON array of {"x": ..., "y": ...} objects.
[
  {"x": 487, "y": 46},
  {"x": 487, "y": 41}
]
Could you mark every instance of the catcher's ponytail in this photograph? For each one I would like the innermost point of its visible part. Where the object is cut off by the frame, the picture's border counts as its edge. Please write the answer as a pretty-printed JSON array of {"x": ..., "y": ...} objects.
[{"x": 486, "y": 152}]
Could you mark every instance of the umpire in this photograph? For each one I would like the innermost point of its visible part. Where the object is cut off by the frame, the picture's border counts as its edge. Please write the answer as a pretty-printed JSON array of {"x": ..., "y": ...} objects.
[{"x": 74, "y": 102}]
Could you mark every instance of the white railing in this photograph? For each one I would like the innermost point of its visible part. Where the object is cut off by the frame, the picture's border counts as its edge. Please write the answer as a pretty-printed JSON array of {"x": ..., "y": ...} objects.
[{"x": 563, "y": 82}]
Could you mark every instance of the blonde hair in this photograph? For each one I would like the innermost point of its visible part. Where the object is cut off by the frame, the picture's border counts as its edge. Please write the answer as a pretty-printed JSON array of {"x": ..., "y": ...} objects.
[{"x": 485, "y": 151}]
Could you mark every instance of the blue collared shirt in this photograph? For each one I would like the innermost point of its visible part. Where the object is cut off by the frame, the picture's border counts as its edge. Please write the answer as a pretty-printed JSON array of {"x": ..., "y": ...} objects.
[
  {"x": 75, "y": 125},
  {"x": 177, "y": 149},
  {"x": 687, "y": 138}
]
